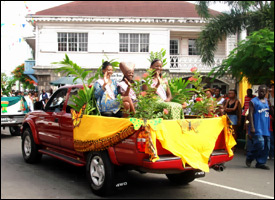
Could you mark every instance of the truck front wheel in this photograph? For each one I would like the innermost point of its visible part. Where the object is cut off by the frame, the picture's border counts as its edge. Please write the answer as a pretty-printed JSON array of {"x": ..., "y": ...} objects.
[
  {"x": 182, "y": 178},
  {"x": 100, "y": 173},
  {"x": 29, "y": 148}
]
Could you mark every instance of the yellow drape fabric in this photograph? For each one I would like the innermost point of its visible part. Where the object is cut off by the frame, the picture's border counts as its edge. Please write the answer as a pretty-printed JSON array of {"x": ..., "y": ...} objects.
[
  {"x": 243, "y": 86},
  {"x": 193, "y": 146},
  {"x": 98, "y": 127},
  {"x": 193, "y": 140},
  {"x": 96, "y": 133}
]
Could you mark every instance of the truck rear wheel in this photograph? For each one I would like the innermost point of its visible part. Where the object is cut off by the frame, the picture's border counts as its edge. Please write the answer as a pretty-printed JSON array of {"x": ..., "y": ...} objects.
[
  {"x": 182, "y": 178},
  {"x": 29, "y": 148},
  {"x": 14, "y": 130},
  {"x": 100, "y": 173}
]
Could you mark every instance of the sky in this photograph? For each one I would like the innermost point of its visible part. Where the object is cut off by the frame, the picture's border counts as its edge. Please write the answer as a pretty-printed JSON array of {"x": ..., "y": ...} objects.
[{"x": 14, "y": 27}]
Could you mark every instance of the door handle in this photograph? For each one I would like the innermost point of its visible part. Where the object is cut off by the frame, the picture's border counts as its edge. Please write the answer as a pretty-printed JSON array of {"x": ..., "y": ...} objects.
[{"x": 56, "y": 120}]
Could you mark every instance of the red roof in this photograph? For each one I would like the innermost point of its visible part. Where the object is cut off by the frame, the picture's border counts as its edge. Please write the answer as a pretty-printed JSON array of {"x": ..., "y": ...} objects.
[{"x": 125, "y": 9}]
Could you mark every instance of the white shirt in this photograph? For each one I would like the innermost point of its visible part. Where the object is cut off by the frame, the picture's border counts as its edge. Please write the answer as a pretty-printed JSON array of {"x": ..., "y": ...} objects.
[{"x": 29, "y": 102}]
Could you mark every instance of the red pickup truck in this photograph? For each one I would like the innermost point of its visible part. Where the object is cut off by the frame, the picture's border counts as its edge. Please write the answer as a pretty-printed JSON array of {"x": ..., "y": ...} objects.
[{"x": 50, "y": 131}]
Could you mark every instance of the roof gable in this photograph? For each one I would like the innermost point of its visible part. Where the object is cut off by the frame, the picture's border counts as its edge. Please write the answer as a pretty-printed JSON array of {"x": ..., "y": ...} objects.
[{"x": 125, "y": 9}]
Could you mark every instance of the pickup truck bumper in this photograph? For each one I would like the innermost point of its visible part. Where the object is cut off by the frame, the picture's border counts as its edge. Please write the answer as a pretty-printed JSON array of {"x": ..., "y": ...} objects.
[{"x": 173, "y": 164}]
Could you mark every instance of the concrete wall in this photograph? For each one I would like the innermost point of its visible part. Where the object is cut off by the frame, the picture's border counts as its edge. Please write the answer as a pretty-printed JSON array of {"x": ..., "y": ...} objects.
[{"x": 101, "y": 40}]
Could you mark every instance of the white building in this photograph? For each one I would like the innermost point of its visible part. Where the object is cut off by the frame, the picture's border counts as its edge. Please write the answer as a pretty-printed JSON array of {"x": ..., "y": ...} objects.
[{"x": 125, "y": 30}]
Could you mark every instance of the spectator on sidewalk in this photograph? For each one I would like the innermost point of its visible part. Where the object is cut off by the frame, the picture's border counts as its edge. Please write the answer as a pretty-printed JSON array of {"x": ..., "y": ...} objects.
[
  {"x": 219, "y": 98},
  {"x": 50, "y": 93},
  {"x": 44, "y": 97},
  {"x": 233, "y": 109},
  {"x": 247, "y": 99},
  {"x": 220, "y": 101},
  {"x": 259, "y": 134},
  {"x": 271, "y": 99},
  {"x": 29, "y": 101}
]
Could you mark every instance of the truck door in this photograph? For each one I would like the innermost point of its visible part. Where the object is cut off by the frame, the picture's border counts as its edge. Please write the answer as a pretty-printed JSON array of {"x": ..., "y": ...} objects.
[
  {"x": 66, "y": 124},
  {"x": 48, "y": 128}
]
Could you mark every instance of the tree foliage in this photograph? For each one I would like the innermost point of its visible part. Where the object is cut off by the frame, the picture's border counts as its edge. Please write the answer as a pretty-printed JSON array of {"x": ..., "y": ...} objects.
[
  {"x": 18, "y": 74},
  {"x": 6, "y": 84},
  {"x": 158, "y": 55},
  {"x": 85, "y": 96},
  {"x": 250, "y": 15},
  {"x": 253, "y": 58}
]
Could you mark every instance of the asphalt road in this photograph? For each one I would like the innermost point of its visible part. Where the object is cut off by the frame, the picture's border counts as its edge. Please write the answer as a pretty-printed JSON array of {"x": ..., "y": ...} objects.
[{"x": 54, "y": 179}]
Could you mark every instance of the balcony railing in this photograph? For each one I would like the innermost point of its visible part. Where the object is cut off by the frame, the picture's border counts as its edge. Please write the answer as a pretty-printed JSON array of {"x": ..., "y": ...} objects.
[{"x": 181, "y": 63}]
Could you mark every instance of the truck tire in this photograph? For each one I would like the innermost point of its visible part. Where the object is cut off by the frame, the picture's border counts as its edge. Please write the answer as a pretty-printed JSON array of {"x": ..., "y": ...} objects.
[
  {"x": 14, "y": 130},
  {"x": 182, "y": 178},
  {"x": 100, "y": 172},
  {"x": 29, "y": 148}
]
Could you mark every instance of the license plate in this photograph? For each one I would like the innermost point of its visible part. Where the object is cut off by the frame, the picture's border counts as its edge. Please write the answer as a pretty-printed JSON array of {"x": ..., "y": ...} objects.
[{"x": 199, "y": 174}]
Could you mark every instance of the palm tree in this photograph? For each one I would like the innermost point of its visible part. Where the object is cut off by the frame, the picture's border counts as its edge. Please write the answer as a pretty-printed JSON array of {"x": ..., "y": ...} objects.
[
  {"x": 249, "y": 15},
  {"x": 244, "y": 15}
]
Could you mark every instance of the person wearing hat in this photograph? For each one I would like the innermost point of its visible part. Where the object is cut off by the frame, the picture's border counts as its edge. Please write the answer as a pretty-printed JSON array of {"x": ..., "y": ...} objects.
[
  {"x": 106, "y": 93},
  {"x": 124, "y": 86},
  {"x": 163, "y": 92}
]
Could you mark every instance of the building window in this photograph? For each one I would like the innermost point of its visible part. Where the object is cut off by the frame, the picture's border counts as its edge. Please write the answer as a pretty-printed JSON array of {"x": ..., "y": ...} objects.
[
  {"x": 73, "y": 42},
  {"x": 192, "y": 49},
  {"x": 174, "y": 47},
  {"x": 133, "y": 42}
]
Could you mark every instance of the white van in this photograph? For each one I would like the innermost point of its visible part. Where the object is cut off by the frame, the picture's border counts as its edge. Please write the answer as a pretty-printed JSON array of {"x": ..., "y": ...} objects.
[{"x": 13, "y": 111}]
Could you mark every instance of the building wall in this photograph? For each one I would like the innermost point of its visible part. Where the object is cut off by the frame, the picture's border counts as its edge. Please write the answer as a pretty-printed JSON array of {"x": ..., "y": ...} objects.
[
  {"x": 104, "y": 39},
  {"x": 101, "y": 40}
]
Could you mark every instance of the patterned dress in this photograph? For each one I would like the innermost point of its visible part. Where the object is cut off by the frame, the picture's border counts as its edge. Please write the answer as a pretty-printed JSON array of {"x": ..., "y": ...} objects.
[
  {"x": 175, "y": 109},
  {"x": 106, "y": 99}
]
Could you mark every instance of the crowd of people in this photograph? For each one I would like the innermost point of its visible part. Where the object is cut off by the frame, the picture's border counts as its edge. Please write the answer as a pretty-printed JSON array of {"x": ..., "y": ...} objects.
[{"x": 32, "y": 97}]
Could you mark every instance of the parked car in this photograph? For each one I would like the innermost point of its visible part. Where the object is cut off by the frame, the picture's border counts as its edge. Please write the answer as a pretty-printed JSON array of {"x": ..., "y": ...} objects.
[
  {"x": 13, "y": 111},
  {"x": 50, "y": 131}
]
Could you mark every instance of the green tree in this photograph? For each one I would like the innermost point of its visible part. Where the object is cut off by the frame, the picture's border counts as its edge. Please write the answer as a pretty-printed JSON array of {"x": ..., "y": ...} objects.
[
  {"x": 6, "y": 84},
  {"x": 18, "y": 74},
  {"x": 249, "y": 15},
  {"x": 253, "y": 58}
]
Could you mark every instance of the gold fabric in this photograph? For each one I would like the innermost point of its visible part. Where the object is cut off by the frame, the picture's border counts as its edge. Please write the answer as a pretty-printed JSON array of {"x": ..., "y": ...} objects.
[
  {"x": 96, "y": 133},
  {"x": 193, "y": 140},
  {"x": 243, "y": 86}
]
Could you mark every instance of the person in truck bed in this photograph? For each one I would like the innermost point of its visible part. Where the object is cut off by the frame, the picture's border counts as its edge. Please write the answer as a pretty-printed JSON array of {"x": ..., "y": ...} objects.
[
  {"x": 106, "y": 93},
  {"x": 163, "y": 91},
  {"x": 124, "y": 86}
]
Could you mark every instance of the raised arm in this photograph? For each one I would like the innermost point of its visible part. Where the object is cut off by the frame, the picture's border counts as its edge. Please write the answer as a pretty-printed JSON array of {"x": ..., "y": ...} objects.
[
  {"x": 168, "y": 93},
  {"x": 99, "y": 91}
]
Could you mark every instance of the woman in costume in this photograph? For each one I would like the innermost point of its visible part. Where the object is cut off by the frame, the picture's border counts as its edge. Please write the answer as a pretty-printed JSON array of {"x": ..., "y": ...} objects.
[
  {"x": 124, "y": 86},
  {"x": 106, "y": 93},
  {"x": 163, "y": 91}
]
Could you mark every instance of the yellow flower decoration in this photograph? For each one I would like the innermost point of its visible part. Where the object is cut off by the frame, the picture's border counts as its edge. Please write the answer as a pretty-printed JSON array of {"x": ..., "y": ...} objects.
[{"x": 76, "y": 117}]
